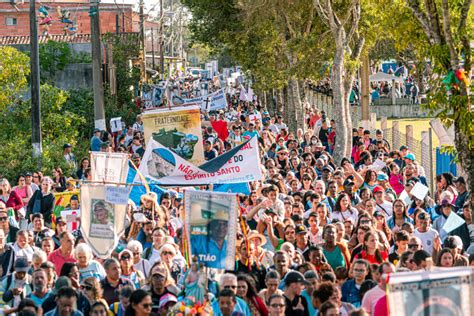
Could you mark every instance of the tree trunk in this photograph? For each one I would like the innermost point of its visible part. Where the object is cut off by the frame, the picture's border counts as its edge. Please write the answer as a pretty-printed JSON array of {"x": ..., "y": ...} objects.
[
  {"x": 295, "y": 107},
  {"x": 282, "y": 101},
  {"x": 342, "y": 147}
]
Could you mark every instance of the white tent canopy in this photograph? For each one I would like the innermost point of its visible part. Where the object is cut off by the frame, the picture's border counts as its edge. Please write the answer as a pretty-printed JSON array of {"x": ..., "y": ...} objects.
[{"x": 382, "y": 76}]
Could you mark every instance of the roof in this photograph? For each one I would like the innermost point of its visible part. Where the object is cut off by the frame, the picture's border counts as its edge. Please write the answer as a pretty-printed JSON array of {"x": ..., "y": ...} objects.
[{"x": 25, "y": 39}]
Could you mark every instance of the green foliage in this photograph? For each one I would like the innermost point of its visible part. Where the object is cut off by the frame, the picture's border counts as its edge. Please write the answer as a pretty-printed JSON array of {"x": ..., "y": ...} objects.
[
  {"x": 126, "y": 52},
  {"x": 53, "y": 56},
  {"x": 81, "y": 103},
  {"x": 59, "y": 126},
  {"x": 14, "y": 69}
]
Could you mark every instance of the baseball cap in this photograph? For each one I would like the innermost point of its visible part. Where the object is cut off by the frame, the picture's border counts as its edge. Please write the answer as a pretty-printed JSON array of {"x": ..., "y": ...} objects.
[
  {"x": 378, "y": 213},
  {"x": 410, "y": 156},
  {"x": 22, "y": 265},
  {"x": 67, "y": 145},
  {"x": 348, "y": 182},
  {"x": 295, "y": 277},
  {"x": 403, "y": 147},
  {"x": 382, "y": 176},
  {"x": 328, "y": 168},
  {"x": 378, "y": 189},
  {"x": 96, "y": 130},
  {"x": 167, "y": 298},
  {"x": 301, "y": 229}
]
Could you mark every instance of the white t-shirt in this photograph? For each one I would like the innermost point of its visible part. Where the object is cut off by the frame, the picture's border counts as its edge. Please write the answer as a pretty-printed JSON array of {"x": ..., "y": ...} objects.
[
  {"x": 155, "y": 256},
  {"x": 427, "y": 238},
  {"x": 343, "y": 216},
  {"x": 385, "y": 208}
]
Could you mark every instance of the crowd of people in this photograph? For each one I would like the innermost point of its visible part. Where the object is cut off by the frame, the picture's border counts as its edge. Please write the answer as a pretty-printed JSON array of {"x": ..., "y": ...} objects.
[{"x": 319, "y": 238}]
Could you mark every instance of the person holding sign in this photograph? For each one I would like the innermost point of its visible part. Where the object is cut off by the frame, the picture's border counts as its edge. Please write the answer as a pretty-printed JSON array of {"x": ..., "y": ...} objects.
[{"x": 212, "y": 248}]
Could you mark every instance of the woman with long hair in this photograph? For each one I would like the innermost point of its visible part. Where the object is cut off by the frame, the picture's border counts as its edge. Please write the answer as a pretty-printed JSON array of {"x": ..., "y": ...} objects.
[
  {"x": 306, "y": 181},
  {"x": 159, "y": 282},
  {"x": 59, "y": 180},
  {"x": 83, "y": 166},
  {"x": 323, "y": 215},
  {"x": 23, "y": 189},
  {"x": 370, "y": 249},
  {"x": 343, "y": 209},
  {"x": 445, "y": 258},
  {"x": 370, "y": 179},
  {"x": 246, "y": 290},
  {"x": 399, "y": 217},
  {"x": 140, "y": 304},
  {"x": 91, "y": 288},
  {"x": 128, "y": 271},
  {"x": 9, "y": 197}
]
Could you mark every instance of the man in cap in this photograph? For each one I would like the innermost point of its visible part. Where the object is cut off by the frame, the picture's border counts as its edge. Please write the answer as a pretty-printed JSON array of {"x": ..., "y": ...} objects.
[
  {"x": 212, "y": 248},
  {"x": 427, "y": 235},
  {"x": 302, "y": 243},
  {"x": 29, "y": 181},
  {"x": 101, "y": 213},
  {"x": 382, "y": 204},
  {"x": 96, "y": 142},
  {"x": 447, "y": 207},
  {"x": 17, "y": 286},
  {"x": 69, "y": 157},
  {"x": 295, "y": 303}
]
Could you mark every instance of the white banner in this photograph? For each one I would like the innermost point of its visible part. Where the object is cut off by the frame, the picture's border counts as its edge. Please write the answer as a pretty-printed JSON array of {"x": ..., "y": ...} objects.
[
  {"x": 109, "y": 167},
  {"x": 102, "y": 222},
  {"x": 447, "y": 292},
  {"x": 210, "y": 102},
  {"x": 241, "y": 164}
]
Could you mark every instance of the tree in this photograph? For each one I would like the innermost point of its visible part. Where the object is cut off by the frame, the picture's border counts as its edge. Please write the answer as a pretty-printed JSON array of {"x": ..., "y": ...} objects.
[
  {"x": 448, "y": 27},
  {"x": 342, "y": 18},
  {"x": 14, "y": 70}
]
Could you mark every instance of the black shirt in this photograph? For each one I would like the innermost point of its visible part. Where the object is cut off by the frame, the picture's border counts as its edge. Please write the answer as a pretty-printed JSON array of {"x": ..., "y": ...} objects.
[
  {"x": 291, "y": 306},
  {"x": 111, "y": 294}
]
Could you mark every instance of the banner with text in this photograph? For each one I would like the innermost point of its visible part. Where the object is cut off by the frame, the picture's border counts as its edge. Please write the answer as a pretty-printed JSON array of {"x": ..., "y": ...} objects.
[
  {"x": 109, "y": 167},
  {"x": 446, "y": 292},
  {"x": 178, "y": 129},
  {"x": 241, "y": 164},
  {"x": 103, "y": 216},
  {"x": 210, "y": 102},
  {"x": 211, "y": 221}
]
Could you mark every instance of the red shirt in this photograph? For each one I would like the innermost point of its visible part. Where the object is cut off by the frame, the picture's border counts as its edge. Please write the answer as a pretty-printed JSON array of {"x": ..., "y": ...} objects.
[
  {"x": 57, "y": 258},
  {"x": 14, "y": 201},
  {"x": 371, "y": 258}
]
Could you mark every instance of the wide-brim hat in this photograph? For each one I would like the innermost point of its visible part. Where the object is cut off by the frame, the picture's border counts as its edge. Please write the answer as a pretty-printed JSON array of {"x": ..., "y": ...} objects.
[
  {"x": 254, "y": 234},
  {"x": 150, "y": 196},
  {"x": 220, "y": 215}
]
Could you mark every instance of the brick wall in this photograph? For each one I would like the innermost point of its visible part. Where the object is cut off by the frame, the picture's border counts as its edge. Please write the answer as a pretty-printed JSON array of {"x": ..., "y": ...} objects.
[{"x": 79, "y": 11}]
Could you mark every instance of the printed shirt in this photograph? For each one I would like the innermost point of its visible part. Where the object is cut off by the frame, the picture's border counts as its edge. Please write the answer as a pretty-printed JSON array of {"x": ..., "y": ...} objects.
[{"x": 203, "y": 245}]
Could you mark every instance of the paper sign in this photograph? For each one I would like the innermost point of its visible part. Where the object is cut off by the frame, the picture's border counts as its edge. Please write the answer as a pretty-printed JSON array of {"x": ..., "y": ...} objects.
[
  {"x": 116, "y": 124},
  {"x": 454, "y": 221},
  {"x": 419, "y": 191},
  {"x": 405, "y": 197},
  {"x": 116, "y": 195},
  {"x": 377, "y": 165}
]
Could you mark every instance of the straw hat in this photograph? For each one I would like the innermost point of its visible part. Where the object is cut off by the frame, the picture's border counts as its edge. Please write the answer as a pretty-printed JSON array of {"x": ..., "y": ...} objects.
[
  {"x": 220, "y": 215},
  {"x": 254, "y": 234}
]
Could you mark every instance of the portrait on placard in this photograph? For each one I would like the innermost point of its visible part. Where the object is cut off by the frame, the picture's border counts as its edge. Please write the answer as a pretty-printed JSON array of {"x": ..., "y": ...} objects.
[
  {"x": 211, "y": 223},
  {"x": 102, "y": 220}
]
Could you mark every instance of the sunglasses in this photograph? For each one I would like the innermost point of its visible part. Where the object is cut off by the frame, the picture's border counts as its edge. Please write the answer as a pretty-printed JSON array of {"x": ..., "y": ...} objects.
[
  {"x": 233, "y": 287},
  {"x": 3, "y": 219},
  {"x": 125, "y": 258},
  {"x": 413, "y": 246},
  {"x": 86, "y": 287},
  {"x": 277, "y": 305}
]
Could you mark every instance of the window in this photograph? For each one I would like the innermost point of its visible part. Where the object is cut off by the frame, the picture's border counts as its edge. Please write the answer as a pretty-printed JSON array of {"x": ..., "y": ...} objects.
[{"x": 10, "y": 21}]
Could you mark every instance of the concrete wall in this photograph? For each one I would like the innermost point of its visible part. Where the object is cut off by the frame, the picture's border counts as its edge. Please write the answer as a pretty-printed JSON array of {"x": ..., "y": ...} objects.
[{"x": 74, "y": 76}]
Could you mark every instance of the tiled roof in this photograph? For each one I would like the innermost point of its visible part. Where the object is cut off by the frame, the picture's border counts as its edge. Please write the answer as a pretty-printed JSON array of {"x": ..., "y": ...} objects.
[{"x": 25, "y": 39}]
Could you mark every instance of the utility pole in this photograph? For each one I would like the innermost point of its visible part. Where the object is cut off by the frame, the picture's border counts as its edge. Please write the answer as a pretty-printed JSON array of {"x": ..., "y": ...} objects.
[
  {"x": 142, "y": 43},
  {"x": 99, "y": 112},
  {"x": 35, "y": 86},
  {"x": 162, "y": 42},
  {"x": 152, "y": 50}
]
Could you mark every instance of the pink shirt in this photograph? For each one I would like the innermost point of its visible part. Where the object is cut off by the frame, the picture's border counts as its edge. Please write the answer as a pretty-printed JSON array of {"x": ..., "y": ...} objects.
[
  {"x": 371, "y": 298},
  {"x": 396, "y": 181},
  {"x": 381, "y": 307},
  {"x": 57, "y": 258}
]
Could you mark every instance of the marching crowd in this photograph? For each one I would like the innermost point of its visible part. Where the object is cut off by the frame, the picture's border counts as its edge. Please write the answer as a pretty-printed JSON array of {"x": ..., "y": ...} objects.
[{"x": 318, "y": 238}]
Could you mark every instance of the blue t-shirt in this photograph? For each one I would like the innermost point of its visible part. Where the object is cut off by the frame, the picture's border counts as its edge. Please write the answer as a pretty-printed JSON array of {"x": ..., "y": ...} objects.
[
  {"x": 311, "y": 309},
  {"x": 39, "y": 300},
  {"x": 208, "y": 251}
]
